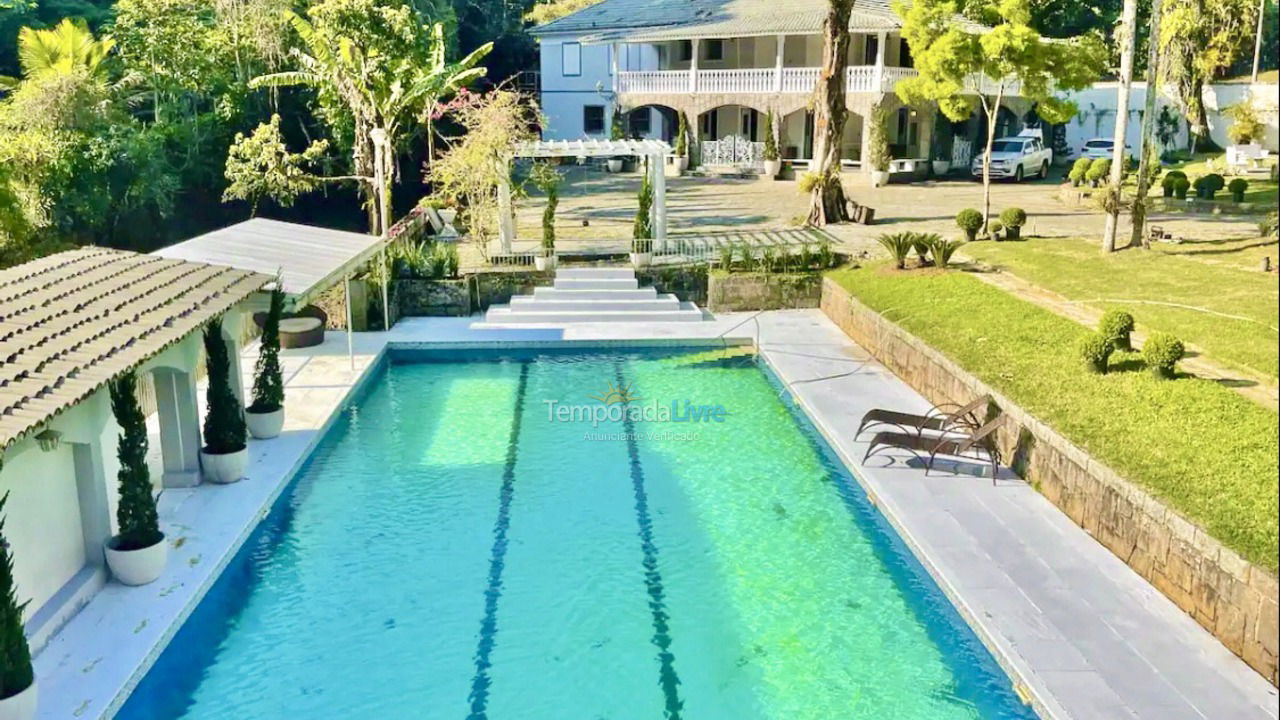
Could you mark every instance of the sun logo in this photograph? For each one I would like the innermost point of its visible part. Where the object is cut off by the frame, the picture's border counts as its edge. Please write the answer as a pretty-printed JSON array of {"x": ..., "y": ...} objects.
[{"x": 617, "y": 395}]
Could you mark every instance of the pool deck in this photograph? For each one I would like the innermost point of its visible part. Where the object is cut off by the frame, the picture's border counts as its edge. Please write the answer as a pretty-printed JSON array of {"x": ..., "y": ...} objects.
[{"x": 1081, "y": 634}]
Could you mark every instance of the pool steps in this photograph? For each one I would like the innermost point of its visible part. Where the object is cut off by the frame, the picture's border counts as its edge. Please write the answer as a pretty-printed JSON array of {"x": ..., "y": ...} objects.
[{"x": 594, "y": 295}]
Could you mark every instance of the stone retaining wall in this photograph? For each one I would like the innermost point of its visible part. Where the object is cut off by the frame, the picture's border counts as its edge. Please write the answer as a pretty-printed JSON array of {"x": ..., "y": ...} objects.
[
  {"x": 1229, "y": 596},
  {"x": 738, "y": 292}
]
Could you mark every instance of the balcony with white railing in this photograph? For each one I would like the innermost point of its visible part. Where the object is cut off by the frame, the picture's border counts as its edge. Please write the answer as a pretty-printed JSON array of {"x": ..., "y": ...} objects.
[{"x": 859, "y": 79}]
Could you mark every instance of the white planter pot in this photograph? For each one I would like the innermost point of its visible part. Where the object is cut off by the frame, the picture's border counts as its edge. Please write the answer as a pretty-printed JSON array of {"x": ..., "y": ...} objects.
[
  {"x": 641, "y": 259},
  {"x": 545, "y": 262},
  {"x": 683, "y": 163},
  {"x": 448, "y": 215},
  {"x": 21, "y": 706},
  {"x": 264, "y": 426},
  {"x": 137, "y": 567},
  {"x": 224, "y": 469},
  {"x": 772, "y": 168},
  {"x": 879, "y": 178},
  {"x": 941, "y": 167},
  {"x": 614, "y": 165}
]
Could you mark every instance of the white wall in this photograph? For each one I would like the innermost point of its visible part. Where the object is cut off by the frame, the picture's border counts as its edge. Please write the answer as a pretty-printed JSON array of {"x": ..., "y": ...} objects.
[{"x": 42, "y": 521}]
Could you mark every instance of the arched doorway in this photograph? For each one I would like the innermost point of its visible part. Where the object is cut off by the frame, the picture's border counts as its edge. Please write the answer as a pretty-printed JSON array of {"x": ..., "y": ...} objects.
[
  {"x": 652, "y": 122},
  {"x": 725, "y": 121}
]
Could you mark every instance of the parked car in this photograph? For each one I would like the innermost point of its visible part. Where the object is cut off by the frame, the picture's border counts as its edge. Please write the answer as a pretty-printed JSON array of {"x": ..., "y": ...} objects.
[
  {"x": 1099, "y": 148},
  {"x": 1016, "y": 157}
]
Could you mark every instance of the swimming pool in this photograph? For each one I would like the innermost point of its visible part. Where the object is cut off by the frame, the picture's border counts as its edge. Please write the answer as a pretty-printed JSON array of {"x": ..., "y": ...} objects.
[{"x": 562, "y": 535}]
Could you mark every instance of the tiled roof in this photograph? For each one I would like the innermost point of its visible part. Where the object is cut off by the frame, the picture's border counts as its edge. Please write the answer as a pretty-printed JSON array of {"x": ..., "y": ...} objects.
[
  {"x": 71, "y": 322},
  {"x": 659, "y": 19}
]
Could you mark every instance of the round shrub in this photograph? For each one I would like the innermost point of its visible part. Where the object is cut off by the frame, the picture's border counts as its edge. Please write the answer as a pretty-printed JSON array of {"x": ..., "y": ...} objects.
[
  {"x": 1078, "y": 170},
  {"x": 1162, "y": 352},
  {"x": 1096, "y": 349},
  {"x": 1180, "y": 188},
  {"x": 1099, "y": 169},
  {"x": 1170, "y": 180},
  {"x": 1206, "y": 186},
  {"x": 1237, "y": 188},
  {"x": 970, "y": 221},
  {"x": 1014, "y": 217},
  {"x": 1115, "y": 326}
]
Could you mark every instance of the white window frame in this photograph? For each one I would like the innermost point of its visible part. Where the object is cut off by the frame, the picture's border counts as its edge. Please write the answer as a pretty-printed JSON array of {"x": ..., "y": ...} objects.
[{"x": 576, "y": 58}]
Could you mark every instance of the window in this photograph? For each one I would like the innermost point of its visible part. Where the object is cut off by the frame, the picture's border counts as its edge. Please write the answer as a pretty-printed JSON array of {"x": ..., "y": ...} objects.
[
  {"x": 872, "y": 49},
  {"x": 571, "y": 59},
  {"x": 640, "y": 122},
  {"x": 593, "y": 119},
  {"x": 715, "y": 49}
]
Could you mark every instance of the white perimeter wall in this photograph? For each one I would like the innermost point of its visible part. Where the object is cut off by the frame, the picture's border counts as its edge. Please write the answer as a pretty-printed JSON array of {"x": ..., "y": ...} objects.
[{"x": 42, "y": 522}]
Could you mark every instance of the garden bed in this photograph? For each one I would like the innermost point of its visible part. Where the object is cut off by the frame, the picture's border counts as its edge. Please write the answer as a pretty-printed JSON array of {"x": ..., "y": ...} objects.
[{"x": 753, "y": 291}]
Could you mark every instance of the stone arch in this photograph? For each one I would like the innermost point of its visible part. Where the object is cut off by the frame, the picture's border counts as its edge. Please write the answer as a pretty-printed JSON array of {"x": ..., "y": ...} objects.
[
  {"x": 663, "y": 121},
  {"x": 733, "y": 118}
]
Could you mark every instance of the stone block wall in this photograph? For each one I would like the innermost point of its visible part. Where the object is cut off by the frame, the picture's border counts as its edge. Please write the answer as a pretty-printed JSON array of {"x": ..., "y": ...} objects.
[
  {"x": 734, "y": 292},
  {"x": 432, "y": 298},
  {"x": 1229, "y": 596}
]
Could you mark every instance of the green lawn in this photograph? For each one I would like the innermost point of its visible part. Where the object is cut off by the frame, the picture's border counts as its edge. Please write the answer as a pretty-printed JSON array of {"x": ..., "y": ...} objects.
[
  {"x": 1194, "y": 274},
  {"x": 1203, "y": 448},
  {"x": 1261, "y": 188}
]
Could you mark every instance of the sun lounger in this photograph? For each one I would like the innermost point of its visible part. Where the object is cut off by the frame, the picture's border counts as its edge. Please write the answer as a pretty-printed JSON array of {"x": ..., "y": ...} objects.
[
  {"x": 928, "y": 448},
  {"x": 937, "y": 418}
]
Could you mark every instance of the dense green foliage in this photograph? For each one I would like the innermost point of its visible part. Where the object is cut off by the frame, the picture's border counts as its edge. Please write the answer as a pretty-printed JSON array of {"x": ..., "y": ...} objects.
[
  {"x": 642, "y": 228},
  {"x": 547, "y": 179},
  {"x": 1201, "y": 447},
  {"x": 224, "y": 428},
  {"x": 941, "y": 249},
  {"x": 139, "y": 526},
  {"x": 1013, "y": 217},
  {"x": 16, "y": 673},
  {"x": 268, "y": 380},
  {"x": 1096, "y": 349},
  {"x": 970, "y": 221},
  {"x": 770, "y": 137},
  {"x": 1162, "y": 352},
  {"x": 1116, "y": 325},
  {"x": 1078, "y": 170}
]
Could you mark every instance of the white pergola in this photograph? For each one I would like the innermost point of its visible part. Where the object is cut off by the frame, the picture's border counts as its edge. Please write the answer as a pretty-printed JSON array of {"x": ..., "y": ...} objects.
[{"x": 654, "y": 150}]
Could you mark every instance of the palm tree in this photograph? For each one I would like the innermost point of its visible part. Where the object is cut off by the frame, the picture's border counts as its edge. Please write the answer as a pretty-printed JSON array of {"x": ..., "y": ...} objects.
[
  {"x": 381, "y": 95},
  {"x": 60, "y": 50}
]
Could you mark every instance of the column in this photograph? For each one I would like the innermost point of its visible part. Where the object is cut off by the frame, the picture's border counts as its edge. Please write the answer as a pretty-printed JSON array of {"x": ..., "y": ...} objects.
[
  {"x": 777, "y": 81},
  {"x": 613, "y": 65},
  {"x": 878, "y": 82},
  {"x": 865, "y": 154},
  {"x": 91, "y": 491},
  {"x": 351, "y": 334},
  {"x": 659, "y": 201},
  {"x": 506, "y": 223},
  {"x": 179, "y": 426},
  {"x": 693, "y": 68},
  {"x": 231, "y": 332}
]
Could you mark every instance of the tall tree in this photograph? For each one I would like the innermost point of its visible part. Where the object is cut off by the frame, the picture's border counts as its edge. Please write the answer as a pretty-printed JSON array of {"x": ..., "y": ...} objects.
[
  {"x": 1149, "y": 149},
  {"x": 1127, "y": 39},
  {"x": 1200, "y": 39},
  {"x": 827, "y": 202},
  {"x": 61, "y": 50},
  {"x": 990, "y": 52}
]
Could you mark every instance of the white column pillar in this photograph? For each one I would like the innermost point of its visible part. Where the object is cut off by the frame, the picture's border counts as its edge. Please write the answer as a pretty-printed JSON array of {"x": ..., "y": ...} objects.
[
  {"x": 878, "y": 82},
  {"x": 91, "y": 492},
  {"x": 179, "y": 426},
  {"x": 506, "y": 223},
  {"x": 659, "y": 202},
  {"x": 231, "y": 332},
  {"x": 693, "y": 68},
  {"x": 777, "y": 80},
  {"x": 386, "y": 292},
  {"x": 614, "y": 49},
  {"x": 864, "y": 156},
  {"x": 351, "y": 350}
]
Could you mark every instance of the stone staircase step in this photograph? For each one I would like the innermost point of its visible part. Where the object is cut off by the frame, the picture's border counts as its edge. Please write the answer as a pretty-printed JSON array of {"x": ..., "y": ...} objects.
[
  {"x": 538, "y": 304},
  {"x": 546, "y": 293},
  {"x": 603, "y": 273},
  {"x": 501, "y": 314},
  {"x": 597, "y": 284}
]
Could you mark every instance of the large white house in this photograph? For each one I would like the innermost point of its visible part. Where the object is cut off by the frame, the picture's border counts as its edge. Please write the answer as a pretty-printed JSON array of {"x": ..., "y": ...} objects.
[{"x": 725, "y": 64}]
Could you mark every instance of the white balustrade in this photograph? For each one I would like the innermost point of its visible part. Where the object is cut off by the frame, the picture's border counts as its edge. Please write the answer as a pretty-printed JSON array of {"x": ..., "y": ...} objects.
[{"x": 860, "y": 78}]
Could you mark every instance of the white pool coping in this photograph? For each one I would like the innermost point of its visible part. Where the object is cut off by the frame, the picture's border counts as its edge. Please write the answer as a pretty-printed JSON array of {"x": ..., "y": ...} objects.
[{"x": 1081, "y": 634}]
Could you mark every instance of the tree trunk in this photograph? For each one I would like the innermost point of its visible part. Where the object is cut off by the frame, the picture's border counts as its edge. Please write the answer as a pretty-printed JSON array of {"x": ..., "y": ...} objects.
[
  {"x": 1148, "y": 150},
  {"x": 993, "y": 121},
  {"x": 827, "y": 202},
  {"x": 1114, "y": 188}
]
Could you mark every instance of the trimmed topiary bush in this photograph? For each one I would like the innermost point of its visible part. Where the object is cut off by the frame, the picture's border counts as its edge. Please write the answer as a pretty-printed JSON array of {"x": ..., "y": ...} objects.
[
  {"x": 1162, "y": 352},
  {"x": 268, "y": 381},
  {"x": 1180, "y": 187},
  {"x": 16, "y": 673},
  {"x": 1098, "y": 171},
  {"x": 1170, "y": 180},
  {"x": 899, "y": 246},
  {"x": 1208, "y": 185},
  {"x": 1013, "y": 219},
  {"x": 970, "y": 221},
  {"x": 1096, "y": 350},
  {"x": 1237, "y": 188},
  {"x": 139, "y": 526},
  {"x": 1078, "y": 170},
  {"x": 1116, "y": 325},
  {"x": 224, "y": 428}
]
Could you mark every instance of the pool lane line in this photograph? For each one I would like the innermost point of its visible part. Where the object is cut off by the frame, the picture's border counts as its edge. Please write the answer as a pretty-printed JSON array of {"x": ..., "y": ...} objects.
[
  {"x": 667, "y": 676},
  {"x": 497, "y": 561}
]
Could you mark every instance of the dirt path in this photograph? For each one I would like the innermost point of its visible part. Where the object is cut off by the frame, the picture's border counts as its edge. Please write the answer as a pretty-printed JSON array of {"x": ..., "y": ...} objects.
[{"x": 1253, "y": 386}]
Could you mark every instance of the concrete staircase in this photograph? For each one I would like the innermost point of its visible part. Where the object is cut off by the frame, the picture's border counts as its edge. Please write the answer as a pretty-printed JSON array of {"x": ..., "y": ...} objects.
[{"x": 594, "y": 295}]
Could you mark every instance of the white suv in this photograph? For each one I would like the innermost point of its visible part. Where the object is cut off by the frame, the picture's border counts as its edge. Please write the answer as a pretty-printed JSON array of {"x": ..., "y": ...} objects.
[{"x": 1016, "y": 157}]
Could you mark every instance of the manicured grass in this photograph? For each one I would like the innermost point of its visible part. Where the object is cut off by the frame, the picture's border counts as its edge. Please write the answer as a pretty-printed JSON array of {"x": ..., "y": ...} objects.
[
  {"x": 1077, "y": 270},
  {"x": 1203, "y": 448},
  {"x": 1261, "y": 190}
]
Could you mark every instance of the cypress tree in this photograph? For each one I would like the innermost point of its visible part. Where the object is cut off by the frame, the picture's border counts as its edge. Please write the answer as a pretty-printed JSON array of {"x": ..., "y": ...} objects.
[
  {"x": 136, "y": 509},
  {"x": 16, "y": 674},
  {"x": 224, "y": 428},
  {"x": 268, "y": 381}
]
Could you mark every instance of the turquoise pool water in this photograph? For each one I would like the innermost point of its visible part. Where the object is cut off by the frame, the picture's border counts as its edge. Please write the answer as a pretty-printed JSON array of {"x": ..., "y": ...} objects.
[{"x": 488, "y": 539}]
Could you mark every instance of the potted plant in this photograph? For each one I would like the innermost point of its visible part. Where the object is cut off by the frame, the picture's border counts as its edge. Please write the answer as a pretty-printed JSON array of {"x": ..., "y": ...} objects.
[
  {"x": 616, "y": 132},
  {"x": 1095, "y": 350},
  {"x": 225, "y": 454},
  {"x": 970, "y": 222},
  {"x": 1208, "y": 185},
  {"x": 547, "y": 179},
  {"x": 265, "y": 416},
  {"x": 1170, "y": 180},
  {"x": 682, "y": 144},
  {"x": 1237, "y": 188},
  {"x": 772, "y": 161},
  {"x": 1180, "y": 187},
  {"x": 1013, "y": 219},
  {"x": 642, "y": 229},
  {"x": 879, "y": 155},
  {"x": 137, "y": 554},
  {"x": 17, "y": 677}
]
